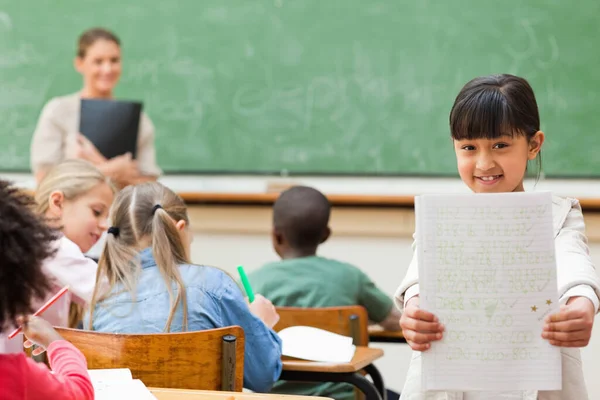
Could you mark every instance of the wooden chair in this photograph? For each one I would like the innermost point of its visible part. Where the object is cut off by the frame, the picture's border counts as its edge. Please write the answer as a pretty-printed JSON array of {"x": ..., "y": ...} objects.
[
  {"x": 350, "y": 321},
  {"x": 346, "y": 320},
  {"x": 202, "y": 360}
]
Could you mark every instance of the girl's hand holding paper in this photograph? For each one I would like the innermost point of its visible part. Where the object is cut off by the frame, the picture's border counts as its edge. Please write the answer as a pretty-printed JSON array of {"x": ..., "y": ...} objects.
[
  {"x": 419, "y": 327},
  {"x": 572, "y": 325}
]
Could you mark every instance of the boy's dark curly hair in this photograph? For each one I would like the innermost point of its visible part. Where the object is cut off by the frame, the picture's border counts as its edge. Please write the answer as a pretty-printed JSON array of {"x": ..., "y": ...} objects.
[{"x": 25, "y": 242}]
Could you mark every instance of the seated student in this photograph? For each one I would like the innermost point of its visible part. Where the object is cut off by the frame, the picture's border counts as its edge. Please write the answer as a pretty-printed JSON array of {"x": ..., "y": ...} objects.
[
  {"x": 154, "y": 287},
  {"x": 304, "y": 279},
  {"x": 25, "y": 242},
  {"x": 74, "y": 197}
]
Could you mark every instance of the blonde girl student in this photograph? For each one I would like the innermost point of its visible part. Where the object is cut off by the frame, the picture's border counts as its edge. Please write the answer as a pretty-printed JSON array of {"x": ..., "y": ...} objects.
[
  {"x": 153, "y": 287},
  {"x": 495, "y": 128},
  {"x": 74, "y": 197},
  {"x": 25, "y": 243},
  {"x": 57, "y": 137}
]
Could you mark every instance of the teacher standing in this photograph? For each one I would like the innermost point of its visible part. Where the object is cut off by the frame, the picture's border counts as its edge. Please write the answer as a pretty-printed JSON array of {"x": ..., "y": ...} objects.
[{"x": 57, "y": 136}]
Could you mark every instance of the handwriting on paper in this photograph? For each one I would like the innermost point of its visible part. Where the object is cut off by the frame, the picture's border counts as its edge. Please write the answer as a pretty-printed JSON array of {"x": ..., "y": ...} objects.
[{"x": 488, "y": 272}]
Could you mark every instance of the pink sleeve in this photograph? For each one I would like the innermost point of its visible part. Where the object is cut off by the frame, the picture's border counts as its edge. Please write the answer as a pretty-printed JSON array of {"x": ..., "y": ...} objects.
[
  {"x": 70, "y": 267},
  {"x": 70, "y": 379}
]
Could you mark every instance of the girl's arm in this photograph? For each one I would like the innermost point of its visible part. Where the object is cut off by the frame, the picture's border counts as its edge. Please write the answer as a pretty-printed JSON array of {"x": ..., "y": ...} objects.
[
  {"x": 262, "y": 355},
  {"x": 69, "y": 380},
  {"x": 578, "y": 283},
  {"x": 576, "y": 274},
  {"x": 419, "y": 327},
  {"x": 410, "y": 284}
]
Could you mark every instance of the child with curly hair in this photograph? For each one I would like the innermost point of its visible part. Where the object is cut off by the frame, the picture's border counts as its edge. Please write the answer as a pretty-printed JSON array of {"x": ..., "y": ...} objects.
[{"x": 25, "y": 242}]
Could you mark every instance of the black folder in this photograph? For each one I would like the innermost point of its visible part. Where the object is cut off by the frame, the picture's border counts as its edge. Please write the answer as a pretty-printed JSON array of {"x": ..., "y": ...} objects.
[{"x": 111, "y": 125}]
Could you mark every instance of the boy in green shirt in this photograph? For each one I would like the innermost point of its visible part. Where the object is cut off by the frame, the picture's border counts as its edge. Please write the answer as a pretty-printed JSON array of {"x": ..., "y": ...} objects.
[{"x": 304, "y": 279}]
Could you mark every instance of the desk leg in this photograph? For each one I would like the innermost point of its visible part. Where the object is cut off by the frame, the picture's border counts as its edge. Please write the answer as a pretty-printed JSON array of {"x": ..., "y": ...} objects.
[
  {"x": 374, "y": 373},
  {"x": 355, "y": 379}
]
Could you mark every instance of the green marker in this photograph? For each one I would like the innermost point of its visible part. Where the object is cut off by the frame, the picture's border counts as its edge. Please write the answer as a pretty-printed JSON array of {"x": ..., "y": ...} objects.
[{"x": 246, "y": 283}]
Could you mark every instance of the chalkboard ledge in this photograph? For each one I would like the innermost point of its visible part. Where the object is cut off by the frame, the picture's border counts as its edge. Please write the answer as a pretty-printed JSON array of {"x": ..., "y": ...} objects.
[{"x": 342, "y": 191}]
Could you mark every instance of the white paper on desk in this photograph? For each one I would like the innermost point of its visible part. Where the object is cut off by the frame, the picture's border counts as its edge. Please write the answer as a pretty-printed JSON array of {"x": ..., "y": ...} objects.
[
  {"x": 110, "y": 374},
  {"x": 118, "y": 384},
  {"x": 308, "y": 343},
  {"x": 487, "y": 269}
]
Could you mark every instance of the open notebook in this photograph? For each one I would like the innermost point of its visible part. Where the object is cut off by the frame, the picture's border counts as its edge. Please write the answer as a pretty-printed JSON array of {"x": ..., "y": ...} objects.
[
  {"x": 315, "y": 344},
  {"x": 118, "y": 384}
]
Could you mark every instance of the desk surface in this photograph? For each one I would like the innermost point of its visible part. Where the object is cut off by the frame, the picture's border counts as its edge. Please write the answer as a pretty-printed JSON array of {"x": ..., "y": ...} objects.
[
  {"x": 182, "y": 394},
  {"x": 376, "y": 332},
  {"x": 362, "y": 357}
]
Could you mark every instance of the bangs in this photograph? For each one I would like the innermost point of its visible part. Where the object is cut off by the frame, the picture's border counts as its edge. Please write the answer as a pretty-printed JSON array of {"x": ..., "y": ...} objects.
[{"x": 484, "y": 114}]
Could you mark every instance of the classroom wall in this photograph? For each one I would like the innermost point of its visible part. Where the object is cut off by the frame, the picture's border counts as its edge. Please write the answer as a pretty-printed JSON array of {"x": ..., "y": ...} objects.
[{"x": 376, "y": 240}]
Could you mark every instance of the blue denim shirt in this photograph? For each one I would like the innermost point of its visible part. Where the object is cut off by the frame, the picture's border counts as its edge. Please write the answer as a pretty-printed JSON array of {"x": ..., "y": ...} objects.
[{"x": 213, "y": 300}]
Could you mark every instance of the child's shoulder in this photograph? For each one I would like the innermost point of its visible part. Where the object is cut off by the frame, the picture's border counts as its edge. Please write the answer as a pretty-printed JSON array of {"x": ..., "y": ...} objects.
[
  {"x": 205, "y": 277},
  {"x": 339, "y": 264},
  {"x": 314, "y": 264},
  {"x": 566, "y": 212},
  {"x": 66, "y": 248},
  {"x": 569, "y": 202}
]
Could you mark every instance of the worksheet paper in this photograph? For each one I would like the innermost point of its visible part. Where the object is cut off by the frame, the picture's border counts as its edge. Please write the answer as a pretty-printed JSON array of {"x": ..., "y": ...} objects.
[
  {"x": 118, "y": 384},
  {"x": 487, "y": 270},
  {"x": 308, "y": 343}
]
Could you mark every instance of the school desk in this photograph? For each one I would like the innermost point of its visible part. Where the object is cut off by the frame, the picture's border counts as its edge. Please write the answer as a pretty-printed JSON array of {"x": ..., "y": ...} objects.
[
  {"x": 183, "y": 394},
  {"x": 380, "y": 335},
  {"x": 312, "y": 371}
]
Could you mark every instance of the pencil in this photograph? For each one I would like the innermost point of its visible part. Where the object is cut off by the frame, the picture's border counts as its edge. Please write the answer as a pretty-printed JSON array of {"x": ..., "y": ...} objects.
[
  {"x": 42, "y": 309},
  {"x": 246, "y": 283}
]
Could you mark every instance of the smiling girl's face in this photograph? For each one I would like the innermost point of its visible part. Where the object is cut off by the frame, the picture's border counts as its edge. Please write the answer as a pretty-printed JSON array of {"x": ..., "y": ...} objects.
[
  {"x": 84, "y": 218},
  {"x": 496, "y": 165}
]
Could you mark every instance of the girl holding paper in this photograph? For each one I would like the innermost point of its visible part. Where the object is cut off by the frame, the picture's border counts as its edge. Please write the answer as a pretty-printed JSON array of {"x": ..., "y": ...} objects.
[
  {"x": 56, "y": 136},
  {"x": 495, "y": 128}
]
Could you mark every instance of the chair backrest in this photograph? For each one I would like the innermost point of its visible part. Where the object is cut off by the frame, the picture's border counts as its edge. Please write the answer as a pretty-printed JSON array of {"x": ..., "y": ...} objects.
[
  {"x": 203, "y": 360},
  {"x": 346, "y": 320}
]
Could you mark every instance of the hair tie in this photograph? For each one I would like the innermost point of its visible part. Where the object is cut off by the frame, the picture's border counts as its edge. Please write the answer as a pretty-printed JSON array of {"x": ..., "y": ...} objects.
[
  {"x": 156, "y": 207},
  {"x": 114, "y": 231}
]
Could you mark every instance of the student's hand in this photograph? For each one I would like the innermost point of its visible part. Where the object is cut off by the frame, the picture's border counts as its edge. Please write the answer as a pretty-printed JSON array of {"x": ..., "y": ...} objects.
[
  {"x": 122, "y": 169},
  {"x": 86, "y": 150},
  {"x": 572, "y": 325},
  {"x": 419, "y": 327},
  {"x": 38, "y": 331},
  {"x": 265, "y": 310}
]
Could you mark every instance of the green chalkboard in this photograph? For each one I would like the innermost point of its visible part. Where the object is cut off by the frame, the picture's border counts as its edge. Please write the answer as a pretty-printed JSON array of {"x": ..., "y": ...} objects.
[{"x": 310, "y": 86}]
